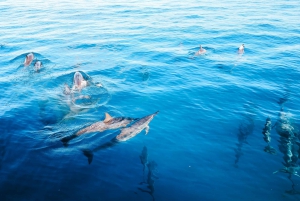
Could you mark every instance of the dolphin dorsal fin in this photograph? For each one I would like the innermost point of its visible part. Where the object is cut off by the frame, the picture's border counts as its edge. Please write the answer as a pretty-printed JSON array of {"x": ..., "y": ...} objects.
[{"x": 107, "y": 117}]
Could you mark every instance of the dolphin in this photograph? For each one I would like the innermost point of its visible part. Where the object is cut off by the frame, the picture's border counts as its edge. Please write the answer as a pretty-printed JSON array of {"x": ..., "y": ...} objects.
[
  {"x": 37, "y": 65},
  {"x": 241, "y": 49},
  {"x": 108, "y": 123},
  {"x": 29, "y": 58},
  {"x": 201, "y": 51},
  {"x": 135, "y": 128},
  {"x": 126, "y": 134}
]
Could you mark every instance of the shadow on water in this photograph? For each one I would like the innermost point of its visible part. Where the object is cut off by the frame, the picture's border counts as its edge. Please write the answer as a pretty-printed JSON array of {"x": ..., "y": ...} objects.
[
  {"x": 144, "y": 73},
  {"x": 288, "y": 144},
  {"x": 293, "y": 191},
  {"x": 151, "y": 166},
  {"x": 246, "y": 128}
]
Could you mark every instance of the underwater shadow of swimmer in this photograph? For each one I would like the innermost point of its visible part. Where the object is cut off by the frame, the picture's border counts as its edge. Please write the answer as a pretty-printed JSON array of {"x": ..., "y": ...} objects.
[
  {"x": 125, "y": 134},
  {"x": 150, "y": 179}
]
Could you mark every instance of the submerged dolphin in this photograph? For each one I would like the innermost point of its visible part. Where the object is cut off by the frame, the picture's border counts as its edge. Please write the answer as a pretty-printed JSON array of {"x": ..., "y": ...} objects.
[
  {"x": 108, "y": 123},
  {"x": 29, "y": 58},
  {"x": 126, "y": 134}
]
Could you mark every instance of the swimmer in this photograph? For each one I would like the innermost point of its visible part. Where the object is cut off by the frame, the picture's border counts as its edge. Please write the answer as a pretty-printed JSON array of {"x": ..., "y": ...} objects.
[
  {"x": 29, "y": 58},
  {"x": 37, "y": 65},
  {"x": 79, "y": 82},
  {"x": 241, "y": 49},
  {"x": 201, "y": 51}
]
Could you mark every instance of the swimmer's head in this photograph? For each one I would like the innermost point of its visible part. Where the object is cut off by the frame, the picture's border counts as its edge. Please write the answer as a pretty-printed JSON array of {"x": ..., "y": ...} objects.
[
  {"x": 78, "y": 78},
  {"x": 37, "y": 65}
]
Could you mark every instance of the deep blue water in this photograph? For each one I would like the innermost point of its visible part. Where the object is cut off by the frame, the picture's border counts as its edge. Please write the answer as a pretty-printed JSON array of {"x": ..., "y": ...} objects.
[{"x": 206, "y": 141}]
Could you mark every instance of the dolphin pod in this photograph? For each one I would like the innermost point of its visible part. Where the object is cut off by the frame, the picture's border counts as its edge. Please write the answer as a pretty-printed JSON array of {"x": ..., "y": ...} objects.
[
  {"x": 108, "y": 123},
  {"x": 125, "y": 134}
]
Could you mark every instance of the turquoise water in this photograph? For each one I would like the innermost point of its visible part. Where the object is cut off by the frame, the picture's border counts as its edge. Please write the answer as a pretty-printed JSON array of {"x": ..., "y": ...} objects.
[{"x": 206, "y": 143}]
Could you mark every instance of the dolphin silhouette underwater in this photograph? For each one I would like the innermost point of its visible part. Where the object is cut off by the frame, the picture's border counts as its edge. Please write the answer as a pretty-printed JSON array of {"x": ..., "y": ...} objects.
[
  {"x": 28, "y": 59},
  {"x": 144, "y": 157},
  {"x": 109, "y": 123},
  {"x": 126, "y": 134}
]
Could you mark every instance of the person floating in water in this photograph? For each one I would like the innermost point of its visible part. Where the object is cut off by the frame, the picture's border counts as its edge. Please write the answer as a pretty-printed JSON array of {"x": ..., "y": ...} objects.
[
  {"x": 200, "y": 51},
  {"x": 29, "y": 58},
  {"x": 37, "y": 65},
  {"x": 241, "y": 49},
  {"x": 78, "y": 84}
]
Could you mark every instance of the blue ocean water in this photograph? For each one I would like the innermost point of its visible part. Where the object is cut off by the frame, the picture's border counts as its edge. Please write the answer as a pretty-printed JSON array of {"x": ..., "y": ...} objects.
[{"x": 206, "y": 142}]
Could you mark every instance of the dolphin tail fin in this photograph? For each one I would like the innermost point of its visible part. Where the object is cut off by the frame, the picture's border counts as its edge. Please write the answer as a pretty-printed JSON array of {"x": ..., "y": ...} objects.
[
  {"x": 89, "y": 154},
  {"x": 66, "y": 139},
  {"x": 156, "y": 112}
]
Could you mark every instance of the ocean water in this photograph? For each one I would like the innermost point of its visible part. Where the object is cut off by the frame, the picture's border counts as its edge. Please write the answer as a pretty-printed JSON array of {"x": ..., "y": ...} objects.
[{"x": 206, "y": 142}]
